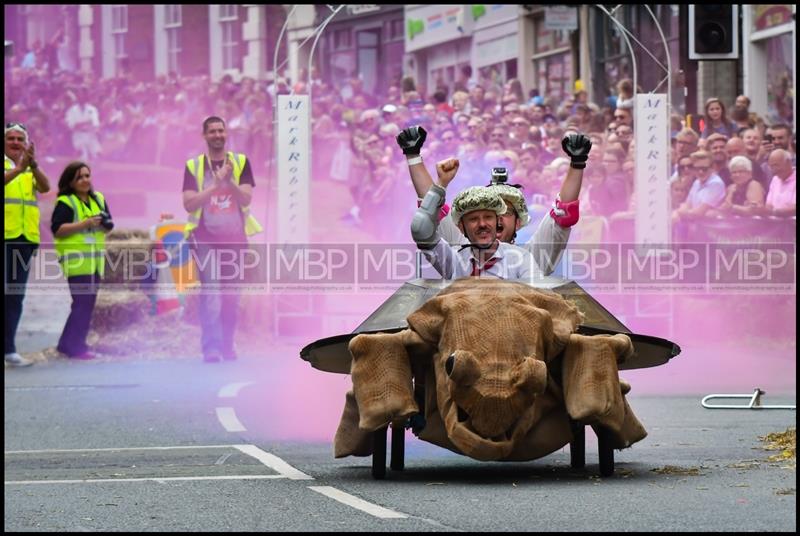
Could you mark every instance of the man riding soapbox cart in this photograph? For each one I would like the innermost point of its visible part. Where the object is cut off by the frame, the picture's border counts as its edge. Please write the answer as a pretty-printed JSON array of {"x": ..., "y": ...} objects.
[{"x": 492, "y": 369}]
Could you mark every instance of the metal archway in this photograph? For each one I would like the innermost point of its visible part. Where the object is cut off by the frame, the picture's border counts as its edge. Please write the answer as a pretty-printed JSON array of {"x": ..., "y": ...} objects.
[{"x": 627, "y": 33}]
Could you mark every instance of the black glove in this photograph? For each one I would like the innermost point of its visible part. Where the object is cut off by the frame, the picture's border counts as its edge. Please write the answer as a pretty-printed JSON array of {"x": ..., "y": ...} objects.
[
  {"x": 577, "y": 146},
  {"x": 411, "y": 139}
]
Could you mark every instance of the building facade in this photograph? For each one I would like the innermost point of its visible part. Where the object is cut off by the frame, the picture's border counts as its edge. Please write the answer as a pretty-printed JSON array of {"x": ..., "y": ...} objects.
[
  {"x": 769, "y": 60},
  {"x": 438, "y": 43},
  {"x": 364, "y": 41},
  {"x": 548, "y": 48},
  {"x": 146, "y": 41}
]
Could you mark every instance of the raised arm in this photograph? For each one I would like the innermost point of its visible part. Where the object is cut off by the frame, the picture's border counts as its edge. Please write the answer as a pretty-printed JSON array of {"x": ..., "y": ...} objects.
[
  {"x": 577, "y": 147},
  {"x": 552, "y": 235},
  {"x": 410, "y": 141},
  {"x": 42, "y": 181},
  {"x": 425, "y": 222}
]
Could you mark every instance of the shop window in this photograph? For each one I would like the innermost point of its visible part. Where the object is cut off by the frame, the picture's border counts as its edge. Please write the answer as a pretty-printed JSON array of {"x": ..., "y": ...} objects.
[
  {"x": 119, "y": 32},
  {"x": 341, "y": 39},
  {"x": 173, "y": 20},
  {"x": 450, "y": 75},
  {"x": 552, "y": 61},
  {"x": 554, "y": 74},
  {"x": 780, "y": 85},
  {"x": 368, "y": 58},
  {"x": 228, "y": 19},
  {"x": 396, "y": 29},
  {"x": 549, "y": 40},
  {"x": 511, "y": 69},
  {"x": 492, "y": 76}
]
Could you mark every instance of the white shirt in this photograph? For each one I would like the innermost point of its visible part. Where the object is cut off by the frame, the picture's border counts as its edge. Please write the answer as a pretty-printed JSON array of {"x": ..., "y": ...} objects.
[
  {"x": 546, "y": 246},
  {"x": 82, "y": 118},
  {"x": 508, "y": 262}
]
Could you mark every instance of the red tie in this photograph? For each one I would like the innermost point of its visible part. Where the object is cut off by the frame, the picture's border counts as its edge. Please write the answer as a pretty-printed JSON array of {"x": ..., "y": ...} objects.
[{"x": 477, "y": 271}]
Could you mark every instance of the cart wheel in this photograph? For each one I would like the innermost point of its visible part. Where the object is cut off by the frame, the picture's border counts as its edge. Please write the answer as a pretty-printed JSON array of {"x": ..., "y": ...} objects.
[
  {"x": 398, "y": 448},
  {"x": 379, "y": 454},
  {"x": 606, "y": 451},
  {"x": 577, "y": 447}
]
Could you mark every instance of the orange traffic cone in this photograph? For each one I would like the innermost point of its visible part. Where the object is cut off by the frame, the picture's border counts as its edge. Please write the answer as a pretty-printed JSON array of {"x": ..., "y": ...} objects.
[{"x": 165, "y": 298}]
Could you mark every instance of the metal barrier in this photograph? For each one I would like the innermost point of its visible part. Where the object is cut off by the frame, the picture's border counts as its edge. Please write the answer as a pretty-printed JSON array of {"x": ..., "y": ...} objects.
[{"x": 755, "y": 402}]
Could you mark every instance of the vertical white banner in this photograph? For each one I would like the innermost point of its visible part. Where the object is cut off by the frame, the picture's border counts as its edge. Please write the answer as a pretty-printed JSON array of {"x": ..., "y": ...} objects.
[
  {"x": 651, "y": 129},
  {"x": 294, "y": 168}
]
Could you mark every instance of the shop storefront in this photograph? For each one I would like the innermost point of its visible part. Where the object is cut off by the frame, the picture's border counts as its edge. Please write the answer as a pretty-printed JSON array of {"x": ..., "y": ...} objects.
[
  {"x": 769, "y": 60},
  {"x": 438, "y": 43},
  {"x": 495, "y": 41},
  {"x": 366, "y": 41},
  {"x": 550, "y": 47},
  {"x": 610, "y": 52}
]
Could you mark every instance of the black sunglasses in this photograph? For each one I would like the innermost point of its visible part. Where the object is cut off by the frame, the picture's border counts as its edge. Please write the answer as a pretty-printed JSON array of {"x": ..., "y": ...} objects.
[{"x": 15, "y": 124}]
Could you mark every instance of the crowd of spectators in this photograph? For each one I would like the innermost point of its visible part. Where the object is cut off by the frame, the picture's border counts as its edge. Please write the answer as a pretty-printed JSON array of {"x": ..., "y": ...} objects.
[
  {"x": 722, "y": 165},
  {"x": 486, "y": 124},
  {"x": 75, "y": 114},
  {"x": 749, "y": 172}
]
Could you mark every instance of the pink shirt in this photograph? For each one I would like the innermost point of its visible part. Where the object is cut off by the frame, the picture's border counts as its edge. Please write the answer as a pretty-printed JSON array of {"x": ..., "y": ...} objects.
[{"x": 782, "y": 194}]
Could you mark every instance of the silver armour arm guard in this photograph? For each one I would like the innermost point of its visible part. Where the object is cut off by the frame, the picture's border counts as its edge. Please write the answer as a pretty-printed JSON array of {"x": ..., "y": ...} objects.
[{"x": 426, "y": 219}]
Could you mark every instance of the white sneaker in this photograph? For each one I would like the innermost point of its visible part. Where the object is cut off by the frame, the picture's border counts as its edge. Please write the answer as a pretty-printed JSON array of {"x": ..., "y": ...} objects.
[{"x": 16, "y": 360}]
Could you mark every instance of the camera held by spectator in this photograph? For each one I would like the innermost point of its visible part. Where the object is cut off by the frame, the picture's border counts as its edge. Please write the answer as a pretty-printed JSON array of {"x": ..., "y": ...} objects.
[{"x": 105, "y": 220}]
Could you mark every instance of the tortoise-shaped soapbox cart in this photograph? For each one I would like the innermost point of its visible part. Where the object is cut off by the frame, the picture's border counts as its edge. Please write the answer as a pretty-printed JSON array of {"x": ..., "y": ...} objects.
[{"x": 459, "y": 424}]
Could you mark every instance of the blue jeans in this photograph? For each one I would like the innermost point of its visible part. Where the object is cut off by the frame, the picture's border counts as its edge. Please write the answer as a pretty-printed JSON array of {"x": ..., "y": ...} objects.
[{"x": 218, "y": 306}]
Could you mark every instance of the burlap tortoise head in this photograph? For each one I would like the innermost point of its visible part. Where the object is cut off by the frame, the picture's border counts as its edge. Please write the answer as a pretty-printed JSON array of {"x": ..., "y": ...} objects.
[{"x": 488, "y": 377}]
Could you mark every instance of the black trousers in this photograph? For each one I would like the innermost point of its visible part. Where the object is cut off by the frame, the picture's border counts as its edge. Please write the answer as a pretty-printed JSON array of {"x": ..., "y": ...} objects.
[
  {"x": 84, "y": 295},
  {"x": 18, "y": 253}
]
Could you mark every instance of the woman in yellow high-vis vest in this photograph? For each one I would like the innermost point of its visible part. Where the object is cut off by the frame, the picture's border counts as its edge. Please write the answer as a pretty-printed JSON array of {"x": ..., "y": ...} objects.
[
  {"x": 79, "y": 224},
  {"x": 23, "y": 180}
]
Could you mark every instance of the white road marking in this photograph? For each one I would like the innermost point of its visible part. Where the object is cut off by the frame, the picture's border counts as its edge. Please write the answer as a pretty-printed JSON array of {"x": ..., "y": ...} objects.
[
  {"x": 151, "y": 479},
  {"x": 227, "y": 417},
  {"x": 222, "y": 459},
  {"x": 359, "y": 504},
  {"x": 273, "y": 462},
  {"x": 232, "y": 389},
  {"x": 114, "y": 449}
]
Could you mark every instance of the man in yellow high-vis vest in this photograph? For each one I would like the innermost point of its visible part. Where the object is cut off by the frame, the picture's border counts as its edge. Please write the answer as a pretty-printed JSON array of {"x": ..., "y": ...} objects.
[
  {"x": 23, "y": 180},
  {"x": 217, "y": 190}
]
